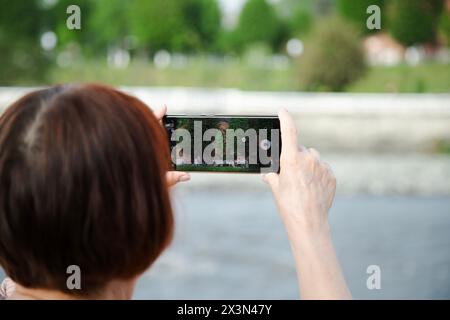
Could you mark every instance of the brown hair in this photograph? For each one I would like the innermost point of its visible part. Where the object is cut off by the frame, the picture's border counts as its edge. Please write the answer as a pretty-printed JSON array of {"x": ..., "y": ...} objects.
[{"x": 82, "y": 182}]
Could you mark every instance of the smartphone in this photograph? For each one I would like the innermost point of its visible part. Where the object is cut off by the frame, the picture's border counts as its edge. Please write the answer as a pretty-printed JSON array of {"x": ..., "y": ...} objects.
[{"x": 224, "y": 143}]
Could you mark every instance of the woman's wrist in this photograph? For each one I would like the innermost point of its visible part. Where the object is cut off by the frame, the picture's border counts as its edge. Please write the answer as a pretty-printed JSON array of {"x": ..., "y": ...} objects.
[{"x": 305, "y": 238}]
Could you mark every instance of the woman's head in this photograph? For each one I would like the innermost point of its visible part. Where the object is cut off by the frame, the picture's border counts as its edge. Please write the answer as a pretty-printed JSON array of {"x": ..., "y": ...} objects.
[{"x": 82, "y": 182}]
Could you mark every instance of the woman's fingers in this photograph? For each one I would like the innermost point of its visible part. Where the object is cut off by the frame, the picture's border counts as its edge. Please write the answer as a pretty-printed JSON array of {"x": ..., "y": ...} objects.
[
  {"x": 288, "y": 132},
  {"x": 173, "y": 177},
  {"x": 159, "y": 114},
  {"x": 315, "y": 153},
  {"x": 290, "y": 149}
]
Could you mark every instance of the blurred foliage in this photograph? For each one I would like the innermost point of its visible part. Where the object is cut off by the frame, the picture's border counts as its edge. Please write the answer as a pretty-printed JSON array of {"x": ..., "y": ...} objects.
[
  {"x": 206, "y": 21},
  {"x": 109, "y": 33},
  {"x": 258, "y": 22},
  {"x": 192, "y": 30},
  {"x": 57, "y": 15},
  {"x": 302, "y": 22},
  {"x": 428, "y": 77},
  {"x": 333, "y": 57},
  {"x": 159, "y": 25},
  {"x": 355, "y": 12},
  {"x": 414, "y": 22},
  {"x": 21, "y": 57},
  {"x": 175, "y": 25},
  {"x": 444, "y": 27}
]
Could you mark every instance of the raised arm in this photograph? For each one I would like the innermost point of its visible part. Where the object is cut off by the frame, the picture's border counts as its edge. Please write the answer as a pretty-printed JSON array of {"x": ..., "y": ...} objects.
[{"x": 304, "y": 192}]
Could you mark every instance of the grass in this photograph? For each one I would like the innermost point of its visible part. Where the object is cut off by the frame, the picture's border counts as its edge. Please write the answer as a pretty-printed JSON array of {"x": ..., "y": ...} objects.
[
  {"x": 431, "y": 77},
  {"x": 205, "y": 72},
  {"x": 198, "y": 73}
]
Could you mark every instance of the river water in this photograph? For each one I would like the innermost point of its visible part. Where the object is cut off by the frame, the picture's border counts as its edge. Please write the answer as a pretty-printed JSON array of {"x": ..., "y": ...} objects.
[{"x": 233, "y": 246}]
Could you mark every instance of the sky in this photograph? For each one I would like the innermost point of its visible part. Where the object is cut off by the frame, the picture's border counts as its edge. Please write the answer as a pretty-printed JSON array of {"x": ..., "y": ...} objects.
[{"x": 231, "y": 9}]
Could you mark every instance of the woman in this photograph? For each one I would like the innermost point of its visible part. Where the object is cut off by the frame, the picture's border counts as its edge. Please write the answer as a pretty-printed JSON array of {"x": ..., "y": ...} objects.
[{"x": 84, "y": 182}]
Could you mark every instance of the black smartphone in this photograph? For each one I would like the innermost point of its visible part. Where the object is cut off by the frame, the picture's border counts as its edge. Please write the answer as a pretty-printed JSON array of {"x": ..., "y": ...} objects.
[{"x": 224, "y": 143}]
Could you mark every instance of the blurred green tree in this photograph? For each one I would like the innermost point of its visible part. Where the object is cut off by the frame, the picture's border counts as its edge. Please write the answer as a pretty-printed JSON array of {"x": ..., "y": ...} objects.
[
  {"x": 333, "y": 57},
  {"x": 175, "y": 25},
  {"x": 21, "y": 57},
  {"x": 301, "y": 22},
  {"x": 296, "y": 19},
  {"x": 86, "y": 35},
  {"x": 444, "y": 27},
  {"x": 157, "y": 24},
  {"x": 258, "y": 22},
  {"x": 204, "y": 18},
  {"x": 414, "y": 21},
  {"x": 356, "y": 12},
  {"x": 109, "y": 19}
]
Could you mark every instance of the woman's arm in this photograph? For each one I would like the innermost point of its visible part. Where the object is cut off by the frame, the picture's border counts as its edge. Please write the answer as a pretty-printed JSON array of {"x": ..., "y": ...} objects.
[{"x": 304, "y": 192}]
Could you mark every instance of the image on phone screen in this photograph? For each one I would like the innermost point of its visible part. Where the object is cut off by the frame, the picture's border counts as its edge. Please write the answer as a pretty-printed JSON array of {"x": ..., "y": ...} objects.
[{"x": 241, "y": 144}]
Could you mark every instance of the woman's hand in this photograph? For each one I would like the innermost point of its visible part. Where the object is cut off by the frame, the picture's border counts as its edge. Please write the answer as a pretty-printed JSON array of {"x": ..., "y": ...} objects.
[
  {"x": 304, "y": 192},
  {"x": 7, "y": 288},
  {"x": 173, "y": 177},
  {"x": 304, "y": 189}
]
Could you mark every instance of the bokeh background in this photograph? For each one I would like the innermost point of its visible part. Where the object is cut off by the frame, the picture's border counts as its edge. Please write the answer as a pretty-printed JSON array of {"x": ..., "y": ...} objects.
[{"x": 376, "y": 103}]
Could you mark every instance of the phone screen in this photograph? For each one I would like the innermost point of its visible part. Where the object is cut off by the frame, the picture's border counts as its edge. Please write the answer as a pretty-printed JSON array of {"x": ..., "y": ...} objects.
[{"x": 243, "y": 144}]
